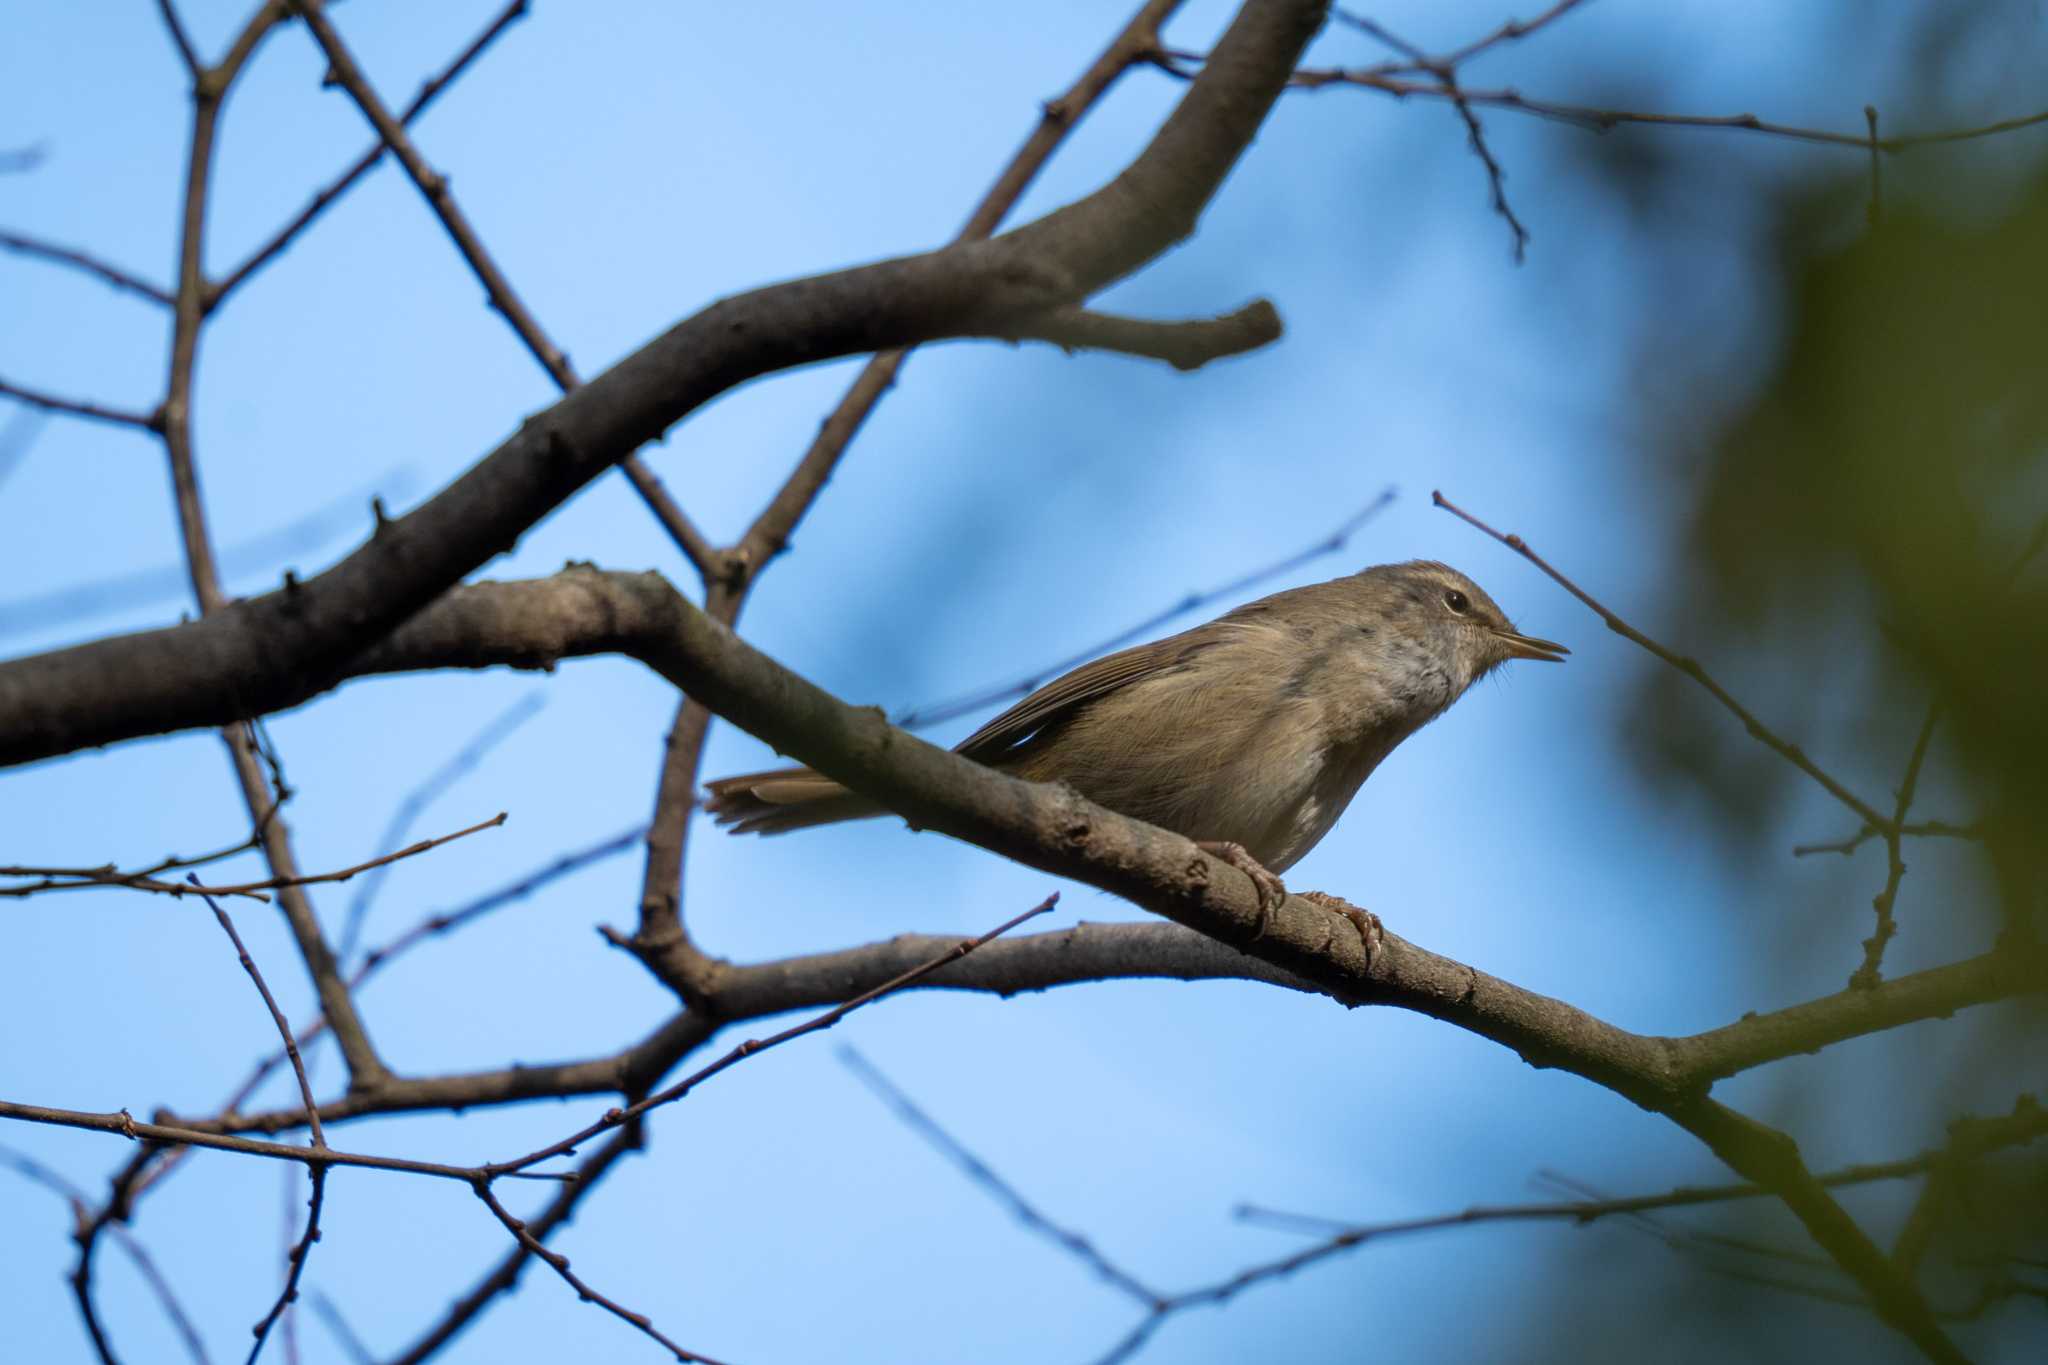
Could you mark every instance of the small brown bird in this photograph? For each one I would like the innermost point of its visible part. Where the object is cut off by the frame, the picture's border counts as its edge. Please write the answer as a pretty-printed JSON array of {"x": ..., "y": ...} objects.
[{"x": 1249, "y": 735}]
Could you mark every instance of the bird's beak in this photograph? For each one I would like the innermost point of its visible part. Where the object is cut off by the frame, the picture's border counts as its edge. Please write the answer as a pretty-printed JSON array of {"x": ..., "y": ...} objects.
[{"x": 1529, "y": 647}]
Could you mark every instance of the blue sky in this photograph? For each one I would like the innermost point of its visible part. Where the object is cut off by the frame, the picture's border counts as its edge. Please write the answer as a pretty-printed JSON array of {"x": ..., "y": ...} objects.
[{"x": 1007, "y": 506}]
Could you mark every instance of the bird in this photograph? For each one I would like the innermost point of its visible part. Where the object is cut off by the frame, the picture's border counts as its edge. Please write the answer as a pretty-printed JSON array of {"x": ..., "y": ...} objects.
[{"x": 1249, "y": 734}]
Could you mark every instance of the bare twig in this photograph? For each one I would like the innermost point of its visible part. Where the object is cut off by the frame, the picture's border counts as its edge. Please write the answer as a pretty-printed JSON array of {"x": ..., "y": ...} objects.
[
  {"x": 423, "y": 795},
  {"x": 506, "y": 1273},
  {"x": 1596, "y": 119},
  {"x": 79, "y": 407},
  {"x": 559, "y": 1263},
  {"x": 1922, "y": 829},
  {"x": 77, "y": 878},
  {"x": 121, "y": 1123},
  {"x": 1511, "y": 31},
  {"x": 1444, "y": 70},
  {"x": 1762, "y": 733},
  {"x": 284, "y": 1028},
  {"x": 998, "y": 1188},
  {"x": 328, "y": 194},
  {"x": 938, "y": 712},
  {"x": 145, "y": 1264},
  {"x": 176, "y": 27},
  {"x": 770, "y": 532},
  {"x": 344, "y": 71},
  {"x": 449, "y": 920},
  {"x": 315, "y": 1171},
  {"x": 1867, "y": 974},
  {"x": 91, "y": 265}
]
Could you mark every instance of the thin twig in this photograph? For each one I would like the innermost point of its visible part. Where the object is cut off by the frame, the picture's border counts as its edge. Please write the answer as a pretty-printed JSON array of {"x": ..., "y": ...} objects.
[
  {"x": 345, "y": 72},
  {"x": 1867, "y": 974},
  {"x": 505, "y": 1274},
  {"x": 145, "y": 1264},
  {"x": 79, "y": 407},
  {"x": 1593, "y": 118},
  {"x": 1919, "y": 829},
  {"x": 317, "y": 1172},
  {"x": 1511, "y": 31},
  {"x": 77, "y": 878},
  {"x": 1444, "y": 70},
  {"x": 416, "y": 801},
  {"x": 559, "y": 1263},
  {"x": 91, "y": 265},
  {"x": 1000, "y": 1189},
  {"x": 448, "y": 920},
  {"x": 769, "y": 534},
  {"x": 121, "y": 1123},
  {"x": 1762, "y": 733},
  {"x": 938, "y": 712},
  {"x": 328, "y": 194},
  {"x": 193, "y": 66}
]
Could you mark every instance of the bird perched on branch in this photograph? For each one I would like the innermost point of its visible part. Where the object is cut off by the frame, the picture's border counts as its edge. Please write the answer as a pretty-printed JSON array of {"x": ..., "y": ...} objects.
[{"x": 1249, "y": 735}]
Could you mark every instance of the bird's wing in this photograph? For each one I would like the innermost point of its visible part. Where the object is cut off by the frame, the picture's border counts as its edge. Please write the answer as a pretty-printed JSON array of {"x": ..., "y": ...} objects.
[{"x": 1066, "y": 694}]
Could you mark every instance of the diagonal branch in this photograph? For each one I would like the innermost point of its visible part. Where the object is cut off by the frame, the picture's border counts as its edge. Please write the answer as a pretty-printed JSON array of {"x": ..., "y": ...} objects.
[
  {"x": 1004, "y": 1193},
  {"x": 292, "y": 643},
  {"x": 316, "y": 1171},
  {"x": 769, "y": 534},
  {"x": 429, "y": 91},
  {"x": 1762, "y": 733},
  {"x": 180, "y": 40},
  {"x": 343, "y": 70},
  {"x": 505, "y": 1275}
]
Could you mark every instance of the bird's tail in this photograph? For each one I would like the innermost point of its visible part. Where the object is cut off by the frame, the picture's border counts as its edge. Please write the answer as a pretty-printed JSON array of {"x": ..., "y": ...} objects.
[{"x": 783, "y": 799}]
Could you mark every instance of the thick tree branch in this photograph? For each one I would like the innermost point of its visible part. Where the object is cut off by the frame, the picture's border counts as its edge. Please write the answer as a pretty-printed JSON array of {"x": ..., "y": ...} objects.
[{"x": 270, "y": 652}]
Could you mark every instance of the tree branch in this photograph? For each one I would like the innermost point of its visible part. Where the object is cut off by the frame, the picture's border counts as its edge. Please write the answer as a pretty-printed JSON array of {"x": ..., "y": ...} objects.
[
  {"x": 1183, "y": 345},
  {"x": 91, "y": 265},
  {"x": 270, "y": 652},
  {"x": 79, "y": 407}
]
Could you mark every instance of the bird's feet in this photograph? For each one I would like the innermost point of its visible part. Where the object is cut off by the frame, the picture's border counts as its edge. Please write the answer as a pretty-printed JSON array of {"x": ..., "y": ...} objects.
[
  {"x": 1371, "y": 933},
  {"x": 1272, "y": 891}
]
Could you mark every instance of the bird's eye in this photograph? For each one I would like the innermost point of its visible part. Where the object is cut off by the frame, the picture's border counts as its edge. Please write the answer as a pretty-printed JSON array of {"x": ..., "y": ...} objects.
[{"x": 1457, "y": 601}]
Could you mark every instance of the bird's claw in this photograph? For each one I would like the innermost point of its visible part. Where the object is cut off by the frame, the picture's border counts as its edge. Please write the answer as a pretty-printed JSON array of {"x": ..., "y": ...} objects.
[
  {"x": 1371, "y": 933},
  {"x": 1272, "y": 891}
]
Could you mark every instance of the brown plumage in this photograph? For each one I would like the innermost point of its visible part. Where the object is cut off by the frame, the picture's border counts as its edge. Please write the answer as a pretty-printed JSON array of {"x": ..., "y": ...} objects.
[{"x": 1256, "y": 729}]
